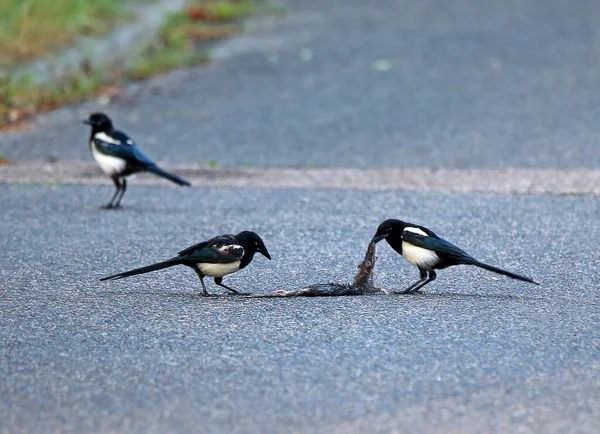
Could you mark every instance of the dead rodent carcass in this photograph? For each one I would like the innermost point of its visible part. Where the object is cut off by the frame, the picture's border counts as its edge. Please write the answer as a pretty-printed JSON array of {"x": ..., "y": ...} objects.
[{"x": 362, "y": 284}]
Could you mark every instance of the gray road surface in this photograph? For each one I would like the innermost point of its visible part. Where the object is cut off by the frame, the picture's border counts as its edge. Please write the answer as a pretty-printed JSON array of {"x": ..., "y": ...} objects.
[
  {"x": 470, "y": 85},
  {"x": 463, "y": 85},
  {"x": 475, "y": 352}
]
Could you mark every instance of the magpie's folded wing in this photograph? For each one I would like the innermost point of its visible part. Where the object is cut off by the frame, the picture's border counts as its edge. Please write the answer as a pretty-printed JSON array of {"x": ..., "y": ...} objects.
[
  {"x": 125, "y": 150},
  {"x": 215, "y": 255},
  {"x": 438, "y": 245},
  {"x": 194, "y": 247}
]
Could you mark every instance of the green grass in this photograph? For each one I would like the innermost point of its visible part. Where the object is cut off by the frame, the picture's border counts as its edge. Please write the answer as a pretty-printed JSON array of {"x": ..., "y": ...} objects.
[
  {"x": 177, "y": 44},
  {"x": 32, "y": 27},
  {"x": 20, "y": 97},
  {"x": 29, "y": 28},
  {"x": 174, "y": 47}
]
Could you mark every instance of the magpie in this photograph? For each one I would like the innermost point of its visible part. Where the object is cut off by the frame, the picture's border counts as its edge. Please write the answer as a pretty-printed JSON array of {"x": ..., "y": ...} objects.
[
  {"x": 217, "y": 257},
  {"x": 423, "y": 248},
  {"x": 119, "y": 157}
]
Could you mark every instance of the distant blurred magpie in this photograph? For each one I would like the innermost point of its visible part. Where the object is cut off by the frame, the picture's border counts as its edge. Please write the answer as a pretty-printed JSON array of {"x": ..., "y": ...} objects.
[
  {"x": 119, "y": 157},
  {"x": 421, "y": 247},
  {"x": 217, "y": 257}
]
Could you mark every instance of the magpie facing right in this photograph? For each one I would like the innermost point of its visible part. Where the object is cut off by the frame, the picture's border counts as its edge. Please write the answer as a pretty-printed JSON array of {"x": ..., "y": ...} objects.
[
  {"x": 217, "y": 257},
  {"x": 119, "y": 157},
  {"x": 423, "y": 248}
]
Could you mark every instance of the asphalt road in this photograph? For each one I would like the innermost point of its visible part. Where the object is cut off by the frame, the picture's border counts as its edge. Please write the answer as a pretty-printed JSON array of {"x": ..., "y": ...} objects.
[
  {"x": 147, "y": 354},
  {"x": 470, "y": 85},
  {"x": 426, "y": 84}
]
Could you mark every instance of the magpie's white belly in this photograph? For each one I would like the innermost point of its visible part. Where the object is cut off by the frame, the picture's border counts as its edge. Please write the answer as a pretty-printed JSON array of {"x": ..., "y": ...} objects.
[
  {"x": 218, "y": 270},
  {"x": 419, "y": 256},
  {"x": 110, "y": 165}
]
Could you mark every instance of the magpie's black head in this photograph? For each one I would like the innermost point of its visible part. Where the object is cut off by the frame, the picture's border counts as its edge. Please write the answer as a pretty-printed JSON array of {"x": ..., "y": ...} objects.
[
  {"x": 253, "y": 243},
  {"x": 386, "y": 228},
  {"x": 99, "y": 122}
]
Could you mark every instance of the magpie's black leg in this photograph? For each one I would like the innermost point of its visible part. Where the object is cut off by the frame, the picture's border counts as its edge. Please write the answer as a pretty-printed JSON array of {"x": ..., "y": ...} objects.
[
  {"x": 219, "y": 281},
  {"x": 201, "y": 276},
  {"x": 431, "y": 278},
  {"x": 417, "y": 285},
  {"x": 123, "y": 188},
  {"x": 118, "y": 189}
]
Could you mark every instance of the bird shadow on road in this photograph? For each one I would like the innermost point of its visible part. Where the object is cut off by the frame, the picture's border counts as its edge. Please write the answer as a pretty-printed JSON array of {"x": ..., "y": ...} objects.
[
  {"x": 157, "y": 293},
  {"x": 137, "y": 209},
  {"x": 405, "y": 297},
  {"x": 214, "y": 296},
  {"x": 462, "y": 295},
  {"x": 177, "y": 294}
]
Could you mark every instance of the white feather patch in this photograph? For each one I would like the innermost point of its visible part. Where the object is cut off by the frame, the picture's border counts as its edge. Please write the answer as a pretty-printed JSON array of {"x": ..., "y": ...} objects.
[
  {"x": 110, "y": 165},
  {"x": 419, "y": 256},
  {"x": 106, "y": 138},
  {"x": 415, "y": 230},
  {"x": 232, "y": 247},
  {"x": 218, "y": 270}
]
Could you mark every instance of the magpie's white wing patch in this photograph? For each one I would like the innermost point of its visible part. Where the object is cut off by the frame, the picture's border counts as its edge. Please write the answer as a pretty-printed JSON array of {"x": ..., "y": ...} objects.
[
  {"x": 415, "y": 230},
  {"x": 219, "y": 269},
  {"x": 235, "y": 249},
  {"x": 102, "y": 136}
]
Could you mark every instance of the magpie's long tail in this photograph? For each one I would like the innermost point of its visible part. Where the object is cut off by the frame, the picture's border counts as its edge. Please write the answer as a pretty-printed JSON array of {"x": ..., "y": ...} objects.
[
  {"x": 158, "y": 266},
  {"x": 500, "y": 271},
  {"x": 173, "y": 178}
]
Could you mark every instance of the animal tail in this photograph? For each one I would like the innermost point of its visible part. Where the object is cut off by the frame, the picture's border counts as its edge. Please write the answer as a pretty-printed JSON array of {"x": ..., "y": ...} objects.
[
  {"x": 500, "y": 271},
  {"x": 158, "y": 266},
  {"x": 173, "y": 178}
]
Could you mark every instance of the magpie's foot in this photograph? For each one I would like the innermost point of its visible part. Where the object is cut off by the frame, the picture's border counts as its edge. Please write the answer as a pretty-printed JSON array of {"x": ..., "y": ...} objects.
[
  {"x": 406, "y": 291},
  {"x": 206, "y": 294},
  {"x": 109, "y": 206}
]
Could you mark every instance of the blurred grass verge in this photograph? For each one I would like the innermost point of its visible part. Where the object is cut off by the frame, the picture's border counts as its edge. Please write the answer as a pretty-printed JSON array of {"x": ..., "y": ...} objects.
[
  {"x": 32, "y": 28},
  {"x": 29, "y": 28}
]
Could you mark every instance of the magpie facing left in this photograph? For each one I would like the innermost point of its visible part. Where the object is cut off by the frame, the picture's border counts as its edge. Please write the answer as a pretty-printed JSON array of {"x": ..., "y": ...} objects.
[
  {"x": 119, "y": 157},
  {"x": 217, "y": 257},
  {"x": 423, "y": 248}
]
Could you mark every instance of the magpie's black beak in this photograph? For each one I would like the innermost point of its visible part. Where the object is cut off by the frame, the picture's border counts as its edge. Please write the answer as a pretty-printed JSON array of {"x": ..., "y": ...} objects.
[
  {"x": 87, "y": 122},
  {"x": 265, "y": 253},
  {"x": 377, "y": 238}
]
